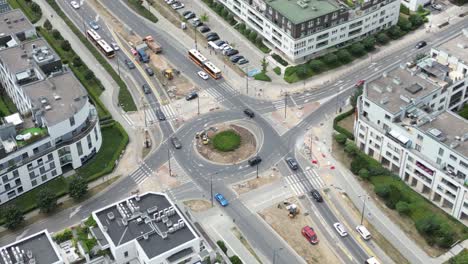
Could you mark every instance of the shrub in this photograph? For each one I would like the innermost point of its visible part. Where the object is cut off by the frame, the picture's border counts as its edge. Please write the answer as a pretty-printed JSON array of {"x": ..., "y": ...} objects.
[
  {"x": 247, "y": 32},
  {"x": 404, "y": 24},
  {"x": 317, "y": 65},
  {"x": 344, "y": 56},
  {"x": 90, "y": 222},
  {"x": 12, "y": 216},
  {"x": 279, "y": 59},
  {"x": 253, "y": 36},
  {"x": 277, "y": 70},
  {"x": 222, "y": 246},
  {"x": 77, "y": 61},
  {"x": 395, "y": 32},
  {"x": 358, "y": 163},
  {"x": 357, "y": 49},
  {"x": 224, "y": 13},
  {"x": 77, "y": 187},
  {"x": 340, "y": 138},
  {"x": 382, "y": 190},
  {"x": 340, "y": 129},
  {"x": 382, "y": 38},
  {"x": 235, "y": 260},
  {"x": 369, "y": 43},
  {"x": 302, "y": 71},
  {"x": 330, "y": 59},
  {"x": 241, "y": 27},
  {"x": 65, "y": 45},
  {"x": 364, "y": 174},
  {"x": 56, "y": 34},
  {"x": 351, "y": 148},
  {"x": 65, "y": 235},
  {"x": 403, "y": 208},
  {"x": 416, "y": 20},
  {"x": 262, "y": 77},
  {"x": 405, "y": 10},
  {"x": 47, "y": 25}
]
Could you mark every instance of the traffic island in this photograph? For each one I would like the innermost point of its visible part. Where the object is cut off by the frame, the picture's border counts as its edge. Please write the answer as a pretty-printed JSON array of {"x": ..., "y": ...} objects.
[{"x": 226, "y": 143}]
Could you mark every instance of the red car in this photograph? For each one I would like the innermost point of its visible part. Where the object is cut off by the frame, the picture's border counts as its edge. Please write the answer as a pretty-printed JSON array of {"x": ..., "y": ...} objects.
[
  {"x": 133, "y": 51},
  {"x": 309, "y": 233},
  {"x": 360, "y": 83}
]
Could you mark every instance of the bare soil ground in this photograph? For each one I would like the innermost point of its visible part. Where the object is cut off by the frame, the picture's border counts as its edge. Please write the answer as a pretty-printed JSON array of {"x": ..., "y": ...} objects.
[
  {"x": 255, "y": 183},
  {"x": 247, "y": 148},
  {"x": 290, "y": 231},
  {"x": 198, "y": 205},
  {"x": 348, "y": 123}
]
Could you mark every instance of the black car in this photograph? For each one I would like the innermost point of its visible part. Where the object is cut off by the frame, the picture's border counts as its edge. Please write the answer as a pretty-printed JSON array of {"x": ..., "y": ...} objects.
[
  {"x": 129, "y": 64},
  {"x": 254, "y": 160},
  {"x": 243, "y": 61},
  {"x": 204, "y": 29},
  {"x": 160, "y": 115},
  {"x": 149, "y": 71},
  {"x": 421, "y": 44},
  {"x": 236, "y": 58},
  {"x": 249, "y": 113},
  {"x": 146, "y": 88},
  {"x": 231, "y": 52},
  {"x": 212, "y": 38},
  {"x": 191, "y": 96},
  {"x": 292, "y": 163},
  {"x": 316, "y": 195},
  {"x": 176, "y": 142},
  {"x": 186, "y": 12},
  {"x": 220, "y": 42}
]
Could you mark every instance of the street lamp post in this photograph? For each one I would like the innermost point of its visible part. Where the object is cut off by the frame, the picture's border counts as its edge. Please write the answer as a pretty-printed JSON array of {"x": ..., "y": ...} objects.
[
  {"x": 211, "y": 189},
  {"x": 257, "y": 170},
  {"x": 247, "y": 80},
  {"x": 285, "y": 104},
  {"x": 198, "y": 105},
  {"x": 363, "y": 207},
  {"x": 169, "y": 160},
  {"x": 274, "y": 254}
]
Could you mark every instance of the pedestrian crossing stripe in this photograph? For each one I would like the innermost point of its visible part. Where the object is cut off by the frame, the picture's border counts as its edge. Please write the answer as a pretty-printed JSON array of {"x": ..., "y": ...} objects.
[
  {"x": 169, "y": 112},
  {"x": 299, "y": 185},
  {"x": 128, "y": 120},
  {"x": 279, "y": 104}
]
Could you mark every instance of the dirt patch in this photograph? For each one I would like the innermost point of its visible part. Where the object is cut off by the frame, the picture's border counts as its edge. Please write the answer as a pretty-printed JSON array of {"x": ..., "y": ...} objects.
[
  {"x": 348, "y": 123},
  {"x": 255, "y": 183},
  {"x": 247, "y": 148},
  {"x": 290, "y": 231},
  {"x": 197, "y": 205}
]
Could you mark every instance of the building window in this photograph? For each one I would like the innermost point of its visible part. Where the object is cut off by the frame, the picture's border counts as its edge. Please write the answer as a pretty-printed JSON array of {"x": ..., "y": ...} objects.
[
  {"x": 72, "y": 121},
  {"x": 20, "y": 189},
  {"x": 50, "y": 157},
  {"x": 30, "y": 166},
  {"x": 80, "y": 149},
  {"x": 452, "y": 157},
  {"x": 54, "y": 173},
  {"x": 126, "y": 254},
  {"x": 417, "y": 147},
  {"x": 32, "y": 174},
  {"x": 95, "y": 134},
  {"x": 33, "y": 182},
  {"x": 5, "y": 179},
  {"x": 387, "y": 117},
  {"x": 44, "y": 177},
  {"x": 410, "y": 159},
  {"x": 441, "y": 151},
  {"x": 366, "y": 104},
  {"x": 52, "y": 165},
  {"x": 463, "y": 164},
  {"x": 438, "y": 161},
  {"x": 39, "y": 162},
  {"x": 15, "y": 173},
  {"x": 90, "y": 142}
]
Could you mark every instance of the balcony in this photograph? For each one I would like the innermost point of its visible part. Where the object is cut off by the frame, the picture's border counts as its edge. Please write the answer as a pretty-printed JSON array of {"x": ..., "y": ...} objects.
[
  {"x": 424, "y": 168},
  {"x": 30, "y": 135}
]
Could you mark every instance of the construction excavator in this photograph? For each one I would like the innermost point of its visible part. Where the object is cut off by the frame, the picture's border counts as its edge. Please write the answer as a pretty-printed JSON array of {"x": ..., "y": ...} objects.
[{"x": 293, "y": 210}]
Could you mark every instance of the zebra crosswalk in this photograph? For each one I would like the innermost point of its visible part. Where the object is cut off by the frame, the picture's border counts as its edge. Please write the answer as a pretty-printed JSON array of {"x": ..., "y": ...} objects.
[
  {"x": 219, "y": 92},
  {"x": 301, "y": 185},
  {"x": 278, "y": 104},
  {"x": 178, "y": 172},
  {"x": 141, "y": 174},
  {"x": 169, "y": 112}
]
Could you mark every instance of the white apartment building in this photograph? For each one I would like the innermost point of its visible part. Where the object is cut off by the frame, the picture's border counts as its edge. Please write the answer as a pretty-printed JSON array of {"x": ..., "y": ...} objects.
[
  {"x": 306, "y": 28},
  {"x": 413, "y": 5},
  {"x": 57, "y": 128},
  {"x": 405, "y": 121}
]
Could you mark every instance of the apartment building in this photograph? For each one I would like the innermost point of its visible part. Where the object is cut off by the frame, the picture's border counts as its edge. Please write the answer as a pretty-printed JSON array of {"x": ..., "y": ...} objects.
[
  {"x": 306, "y": 28},
  {"x": 405, "y": 120},
  {"x": 413, "y": 5},
  {"x": 57, "y": 128}
]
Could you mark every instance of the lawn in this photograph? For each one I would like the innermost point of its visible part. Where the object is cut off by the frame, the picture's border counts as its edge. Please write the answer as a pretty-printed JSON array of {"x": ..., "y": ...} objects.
[
  {"x": 27, "y": 7},
  {"x": 461, "y": 258},
  {"x": 262, "y": 77},
  {"x": 225, "y": 141},
  {"x": 7, "y": 107},
  {"x": 140, "y": 9},
  {"x": 114, "y": 141},
  {"x": 464, "y": 111}
]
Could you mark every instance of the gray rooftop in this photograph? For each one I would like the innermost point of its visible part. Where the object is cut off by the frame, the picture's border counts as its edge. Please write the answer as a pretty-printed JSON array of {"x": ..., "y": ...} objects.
[
  {"x": 447, "y": 126},
  {"x": 306, "y": 11},
  {"x": 458, "y": 46},
  {"x": 147, "y": 231},
  {"x": 14, "y": 21},
  {"x": 38, "y": 246},
  {"x": 398, "y": 88}
]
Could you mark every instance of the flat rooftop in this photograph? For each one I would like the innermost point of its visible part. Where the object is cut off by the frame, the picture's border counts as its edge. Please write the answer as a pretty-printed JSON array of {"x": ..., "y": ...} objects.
[
  {"x": 38, "y": 247},
  {"x": 458, "y": 46},
  {"x": 151, "y": 220},
  {"x": 14, "y": 21},
  {"x": 448, "y": 127},
  {"x": 309, "y": 10},
  {"x": 398, "y": 88},
  {"x": 19, "y": 58}
]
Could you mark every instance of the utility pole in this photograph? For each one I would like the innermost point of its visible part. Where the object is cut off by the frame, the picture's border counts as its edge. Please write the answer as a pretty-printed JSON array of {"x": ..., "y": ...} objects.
[
  {"x": 211, "y": 189},
  {"x": 169, "y": 160},
  {"x": 195, "y": 33},
  {"x": 363, "y": 207},
  {"x": 247, "y": 80},
  {"x": 198, "y": 105},
  {"x": 285, "y": 104},
  {"x": 310, "y": 141},
  {"x": 257, "y": 170}
]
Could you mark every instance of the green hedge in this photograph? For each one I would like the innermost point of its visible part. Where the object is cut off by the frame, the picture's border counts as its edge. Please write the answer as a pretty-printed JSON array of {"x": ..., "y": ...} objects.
[
  {"x": 31, "y": 9},
  {"x": 63, "y": 236},
  {"x": 277, "y": 70},
  {"x": 137, "y": 5},
  {"x": 125, "y": 98},
  {"x": 341, "y": 129},
  {"x": 280, "y": 60},
  {"x": 461, "y": 258}
]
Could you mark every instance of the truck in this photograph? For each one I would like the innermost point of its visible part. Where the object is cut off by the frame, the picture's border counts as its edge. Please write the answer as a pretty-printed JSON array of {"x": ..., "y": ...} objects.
[
  {"x": 152, "y": 44},
  {"x": 143, "y": 56}
]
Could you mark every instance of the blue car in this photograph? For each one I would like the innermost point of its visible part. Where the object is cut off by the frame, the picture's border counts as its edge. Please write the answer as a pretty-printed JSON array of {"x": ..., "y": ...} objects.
[{"x": 221, "y": 200}]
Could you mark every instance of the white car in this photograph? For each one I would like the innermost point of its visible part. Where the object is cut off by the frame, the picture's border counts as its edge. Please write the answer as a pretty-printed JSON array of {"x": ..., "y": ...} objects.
[
  {"x": 203, "y": 75},
  {"x": 223, "y": 46},
  {"x": 340, "y": 229},
  {"x": 115, "y": 46},
  {"x": 437, "y": 7},
  {"x": 170, "y": 2},
  {"x": 75, "y": 4}
]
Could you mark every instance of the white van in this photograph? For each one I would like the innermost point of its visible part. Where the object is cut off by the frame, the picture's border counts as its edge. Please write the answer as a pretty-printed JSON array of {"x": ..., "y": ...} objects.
[
  {"x": 362, "y": 230},
  {"x": 372, "y": 260}
]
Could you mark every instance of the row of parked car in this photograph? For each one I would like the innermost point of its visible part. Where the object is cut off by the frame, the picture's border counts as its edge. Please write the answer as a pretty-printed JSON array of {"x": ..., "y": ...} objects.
[{"x": 175, "y": 4}]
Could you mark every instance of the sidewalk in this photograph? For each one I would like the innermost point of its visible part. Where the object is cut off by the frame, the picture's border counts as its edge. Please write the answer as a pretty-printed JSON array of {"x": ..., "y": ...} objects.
[{"x": 272, "y": 90}]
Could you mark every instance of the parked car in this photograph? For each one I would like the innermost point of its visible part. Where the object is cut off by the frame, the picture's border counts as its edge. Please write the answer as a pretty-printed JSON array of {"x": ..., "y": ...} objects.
[
  {"x": 362, "y": 230},
  {"x": 316, "y": 195},
  {"x": 242, "y": 61},
  {"x": 170, "y": 2},
  {"x": 186, "y": 13},
  {"x": 231, "y": 52},
  {"x": 249, "y": 113},
  {"x": 177, "y": 5},
  {"x": 340, "y": 229},
  {"x": 149, "y": 71},
  {"x": 212, "y": 38},
  {"x": 94, "y": 25},
  {"x": 203, "y": 75},
  {"x": 115, "y": 46},
  {"x": 254, "y": 160},
  {"x": 133, "y": 51},
  {"x": 189, "y": 15},
  {"x": 437, "y": 7},
  {"x": 204, "y": 29},
  {"x": 421, "y": 44},
  {"x": 191, "y": 96},
  {"x": 176, "y": 142},
  {"x": 219, "y": 43},
  {"x": 223, "y": 46},
  {"x": 221, "y": 200},
  {"x": 309, "y": 233},
  {"x": 129, "y": 64},
  {"x": 160, "y": 115},
  {"x": 146, "y": 88},
  {"x": 292, "y": 163},
  {"x": 236, "y": 58},
  {"x": 196, "y": 22},
  {"x": 75, "y": 4}
]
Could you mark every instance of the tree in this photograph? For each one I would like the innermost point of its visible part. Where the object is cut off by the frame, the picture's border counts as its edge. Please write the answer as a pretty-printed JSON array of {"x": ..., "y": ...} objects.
[
  {"x": 421, "y": 9},
  {"x": 77, "y": 61},
  {"x": 77, "y": 187},
  {"x": 368, "y": 43},
  {"x": 428, "y": 224},
  {"x": 351, "y": 148},
  {"x": 47, "y": 25},
  {"x": 343, "y": 56},
  {"x": 264, "y": 65},
  {"x": 302, "y": 71},
  {"x": 219, "y": 9},
  {"x": 204, "y": 18},
  {"x": 357, "y": 49},
  {"x": 382, "y": 190},
  {"x": 355, "y": 96},
  {"x": 404, "y": 24},
  {"x": 56, "y": 34},
  {"x": 242, "y": 27},
  {"x": 403, "y": 208},
  {"x": 13, "y": 217},
  {"x": 394, "y": 197},
  {"x": 341, "y": 138},
  {"x": 36, "y": 8},
  {"x": 259, "y": 41},
  {"x": 382, "y": 38},
  {"x": 317, "y": 65},
  {"x": 395, "y": 32},
  {"x": 247, "y": 32},
  {"x": 46, "y": 200},
  {"x": 404, "y": 10},
  {"x": 65, "y": 45},
  {"x": 416, "y": 20},
  {"x": 89, "y": 74},
  {"x": 235, "y": 260},
  {"x": 331, "y": 59},
  {"x": 231, "y": 19},
  {"x": 222, "y": 246},
  {"x": 224, "y": 13},
  {"x": 364, "y": 174},
  {"x": 253, "y": 35}
]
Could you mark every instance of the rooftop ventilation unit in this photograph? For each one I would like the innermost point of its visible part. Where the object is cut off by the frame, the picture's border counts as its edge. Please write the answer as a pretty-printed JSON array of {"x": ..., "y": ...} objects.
[
  {"x": 57, "y": 97},
  {"x": 302, "y": 4},
  {"x": 152, "y": 209},
  {"x": 48, "y": 107},
  {"x": 110, "y": 215},
  {"x": 384, "y": 100},
  {"x": 164, "y": 235},
  {"x": 435, "y": 132},
  {"x": 145, "y": 236}
]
